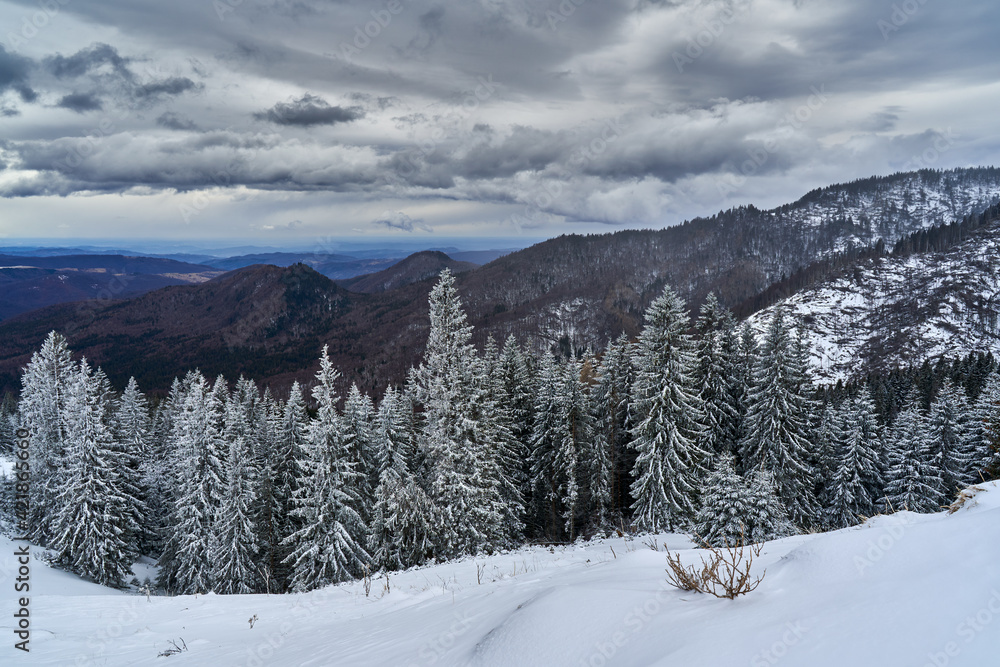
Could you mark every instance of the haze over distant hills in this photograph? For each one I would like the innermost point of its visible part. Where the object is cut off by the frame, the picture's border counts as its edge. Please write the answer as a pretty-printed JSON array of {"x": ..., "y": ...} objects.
[{"x": 567, "y": 293}]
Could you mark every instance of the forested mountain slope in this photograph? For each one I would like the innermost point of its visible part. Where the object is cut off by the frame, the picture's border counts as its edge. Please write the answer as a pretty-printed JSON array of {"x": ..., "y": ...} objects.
[
  {"x": 571, "y": 292},
  {"x": 903, "y": 308}
]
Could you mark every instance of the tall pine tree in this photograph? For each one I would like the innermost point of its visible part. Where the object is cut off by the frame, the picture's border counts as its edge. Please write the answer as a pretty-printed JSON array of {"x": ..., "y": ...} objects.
[{"x": 668, "y": 420}]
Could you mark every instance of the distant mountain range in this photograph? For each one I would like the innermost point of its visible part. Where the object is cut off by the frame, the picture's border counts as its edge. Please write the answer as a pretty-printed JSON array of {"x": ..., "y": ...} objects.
[
  {"x": 28, "y": 283},
  {"x": 567, "y": 293}
]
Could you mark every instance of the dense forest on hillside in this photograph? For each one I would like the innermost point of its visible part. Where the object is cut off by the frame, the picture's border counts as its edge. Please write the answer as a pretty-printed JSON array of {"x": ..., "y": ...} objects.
[{"x": 699, "y": 426}]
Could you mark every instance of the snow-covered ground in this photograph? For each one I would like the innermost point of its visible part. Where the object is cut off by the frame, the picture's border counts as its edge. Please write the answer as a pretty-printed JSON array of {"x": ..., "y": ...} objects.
[{"x": 901, "y": 590}]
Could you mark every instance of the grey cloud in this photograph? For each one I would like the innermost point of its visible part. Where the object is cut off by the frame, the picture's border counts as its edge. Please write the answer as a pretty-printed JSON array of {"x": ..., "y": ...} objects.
[
  {"x": 81, "y": 102},
  {"x": 882, "y": 121},
  {"x": 86, "y": 60},
  {"x": 308, "y": 110},
  {"x": 172, "y": 86},
  {"x": 174, "y": 121},
  {"x": 14, "y": 73},
  {"x": 401, "y": 221}
]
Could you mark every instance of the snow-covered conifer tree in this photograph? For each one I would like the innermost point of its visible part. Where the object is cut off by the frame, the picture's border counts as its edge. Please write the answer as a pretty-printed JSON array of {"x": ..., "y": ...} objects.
[
  {"x": 984, "y": 425},
  {"x": 45, "y": 385},
  {"x": 913, "y": 482},
  {"x": 713, "y": 374},
  {"x": 91, "y": 531},
  {"x": 234, "y": 545},
  {"x": 948, "y": 432},
  {"x": 329, "y": 547},
  {"x": 460, "y": 469},
  {"x": 197, "y": 438},
  {"x": 738, "y": 511},
  {"x": 857, "y": 482},
  {"x": 359, "y": 441},
  {"x": 132, "y": 424},
  {"x": 508, "y": 453},
  {"x": 668, "y": 420},
  {"x": 778, "y": 423},
  {"x": 612, "y": 459}
]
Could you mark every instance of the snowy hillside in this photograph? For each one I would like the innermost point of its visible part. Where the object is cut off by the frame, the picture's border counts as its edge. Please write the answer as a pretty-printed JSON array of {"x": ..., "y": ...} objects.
[
  {"x": 904, "y": 589},
  {"x": 901, "y": 310},
  {"x": 890, "y": 208}
]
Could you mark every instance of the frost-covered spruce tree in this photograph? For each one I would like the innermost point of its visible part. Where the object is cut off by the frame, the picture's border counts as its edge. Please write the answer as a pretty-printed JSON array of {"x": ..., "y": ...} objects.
[
  {"x": 358, "y": 439},
  {"x": 778, "y": 423},
  {"x": 738, "y": 511},
  {"x": 575, "y": 442},
  {"x": 988, "y": 413},
  {"x": 266, "y": 511},
  {"x": 667, "y": 427},
  {"x": 197, "y": 439},
  {"x": 234, "y": 547},
  {"x": 713, "y": 374},
  {"x": 402, "y": 522},
  {"x": 562, "y": 437},
  {"x": 91, "y": 531},
  {"x": 132, "y": 426},
  {"x": 982, "y": 415},
  {"x": 913, "y": 482},
  {"x": 741, "y": 346},
  {"x": 403, "y": 517},
  {"x": 857, "y": 481},
  {"x": 285, "y": 473},
  {"x": 459, "y": 466},
  {"x": 330, "y": 545},
  {"x": 234, "y": 544},
  {"x": 518, "y": 397},
  {"x": 509, "y": 453},
  {"x": 45, "y": 386},
  {"x": 544, "y": 443},
  {"x": 392, "y": 433},
  {"x": 612, "y": 459},
  {"x": 829, "y": 442},
  {"x": 159, "y": 473},
  {"x": 949, "y": 441}
]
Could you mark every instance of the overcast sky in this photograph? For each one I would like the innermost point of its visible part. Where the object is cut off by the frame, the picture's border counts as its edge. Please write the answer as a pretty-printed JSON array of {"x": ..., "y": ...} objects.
[{"x": 283, "y": 121}]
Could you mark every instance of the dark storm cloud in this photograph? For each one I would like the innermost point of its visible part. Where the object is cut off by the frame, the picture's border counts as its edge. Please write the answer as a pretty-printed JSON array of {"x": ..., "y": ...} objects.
[
  {"x": 175, "y": 121},
  {"x": 81, "y": 102},
  {"x": 308, "y": 110},
  {"x": 87, "y": 60},
  {"x": 14, "y": 74},
  {"x": 698, "y": 87},
  {"x": 167, "y": 87}
]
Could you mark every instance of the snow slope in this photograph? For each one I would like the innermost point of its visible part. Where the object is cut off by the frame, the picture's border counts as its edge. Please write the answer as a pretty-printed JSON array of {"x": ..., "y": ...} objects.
[
  {"x": 901, "y": 590},
  {"x": 901, "y": 310}
]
